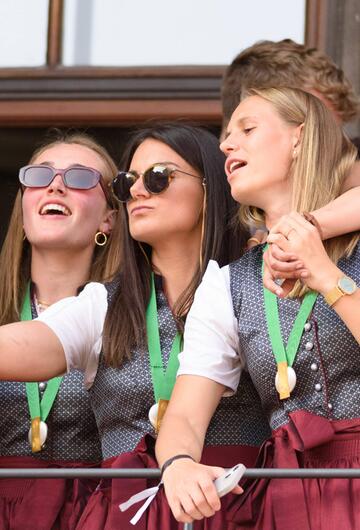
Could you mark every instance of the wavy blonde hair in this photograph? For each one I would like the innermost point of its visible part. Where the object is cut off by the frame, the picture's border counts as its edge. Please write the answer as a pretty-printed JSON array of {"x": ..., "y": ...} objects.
[
  {"x": 325, "y": 157},
  {"x": 15, "y": 257}
]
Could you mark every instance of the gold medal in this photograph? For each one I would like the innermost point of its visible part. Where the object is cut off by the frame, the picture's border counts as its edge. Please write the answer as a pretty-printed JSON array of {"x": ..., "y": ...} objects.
[
  {"x": 156, "y": 413},
  {"x": 285, "y": 380},
  {"x": 37, "y": 434}
]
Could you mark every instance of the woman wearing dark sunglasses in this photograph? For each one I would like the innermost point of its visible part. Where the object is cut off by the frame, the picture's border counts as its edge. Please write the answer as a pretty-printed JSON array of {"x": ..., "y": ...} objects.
[
  {"x": 61, "y": 215},
  {"x": 178, "y": 214}
]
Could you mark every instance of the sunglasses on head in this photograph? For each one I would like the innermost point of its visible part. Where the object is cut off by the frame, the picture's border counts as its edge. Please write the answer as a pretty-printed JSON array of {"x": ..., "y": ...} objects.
[
  {"x": 74, "y": 177},
  {"x": 156, "y": 179}
]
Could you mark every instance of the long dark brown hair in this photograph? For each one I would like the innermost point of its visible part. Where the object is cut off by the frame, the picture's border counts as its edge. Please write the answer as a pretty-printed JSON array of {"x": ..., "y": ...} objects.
[{"x": 223, "y": 239}]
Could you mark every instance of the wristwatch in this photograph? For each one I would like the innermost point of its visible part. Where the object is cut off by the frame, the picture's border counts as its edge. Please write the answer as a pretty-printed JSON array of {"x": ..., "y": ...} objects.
[{"x": 345, "y": 285}]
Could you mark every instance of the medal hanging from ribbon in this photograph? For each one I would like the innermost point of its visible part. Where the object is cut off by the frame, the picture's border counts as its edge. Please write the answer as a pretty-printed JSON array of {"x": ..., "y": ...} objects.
[
  {"x": 163, "y": 380},
  {"x": 285, "y": 379},
  {"x": 39, "y": 410}
]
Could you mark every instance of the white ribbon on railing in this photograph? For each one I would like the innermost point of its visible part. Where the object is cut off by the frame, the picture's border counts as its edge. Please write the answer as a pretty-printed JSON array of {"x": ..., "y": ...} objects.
[{"x": 148, "y": 494}]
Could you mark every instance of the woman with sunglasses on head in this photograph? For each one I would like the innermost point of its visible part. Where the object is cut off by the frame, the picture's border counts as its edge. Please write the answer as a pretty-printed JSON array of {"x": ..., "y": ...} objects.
[
  {"x": 284, "y": 152},
  {"x": 58, "y": 239}
]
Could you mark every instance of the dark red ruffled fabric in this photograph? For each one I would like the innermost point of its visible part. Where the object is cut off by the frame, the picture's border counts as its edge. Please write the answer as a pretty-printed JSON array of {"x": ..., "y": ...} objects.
[
  {"x": 307, "y": 441},
  {"x": 102, "y": 511},
  {"x": 42, "y": 504}
]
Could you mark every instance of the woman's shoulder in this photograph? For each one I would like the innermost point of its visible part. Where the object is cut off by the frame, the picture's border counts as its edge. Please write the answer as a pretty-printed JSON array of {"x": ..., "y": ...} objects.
[
  {"x": 248, "y": 265},
  {"x": 249, "y": 262}
]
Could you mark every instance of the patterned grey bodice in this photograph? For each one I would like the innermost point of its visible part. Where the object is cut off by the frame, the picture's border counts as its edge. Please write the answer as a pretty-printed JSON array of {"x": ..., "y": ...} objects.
[
  {"x": 327, "y": 363},
  {"x": 72, "y": 435},
  {"x": 121, "y": 398}
]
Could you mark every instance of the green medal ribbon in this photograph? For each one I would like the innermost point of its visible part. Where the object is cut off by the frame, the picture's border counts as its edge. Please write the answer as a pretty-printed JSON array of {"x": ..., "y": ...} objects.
[
  {"x": 285, "y": 355},
  {"x": 39, "y": 410},
  {"x": 163, "y": 380}
]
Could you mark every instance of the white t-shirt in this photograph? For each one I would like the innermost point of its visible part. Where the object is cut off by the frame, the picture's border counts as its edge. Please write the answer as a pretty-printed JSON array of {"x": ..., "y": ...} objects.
[
  {"x": 78, "y": 323},
  {"x": 211, "y": 345}
]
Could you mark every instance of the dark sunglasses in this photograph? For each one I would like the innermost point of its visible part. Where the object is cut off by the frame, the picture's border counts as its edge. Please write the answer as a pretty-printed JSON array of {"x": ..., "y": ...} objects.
[
  {"x": 74, "y": 177},
  {"x": 156, "y": 180}
]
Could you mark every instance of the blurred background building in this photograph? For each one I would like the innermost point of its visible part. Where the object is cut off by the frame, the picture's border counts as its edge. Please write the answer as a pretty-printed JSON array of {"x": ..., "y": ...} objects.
[{"x": 106, "y": 66}]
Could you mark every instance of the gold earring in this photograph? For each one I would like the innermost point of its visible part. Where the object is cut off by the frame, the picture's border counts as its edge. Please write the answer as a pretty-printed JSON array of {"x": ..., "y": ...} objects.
[{"x": 100, "y": 239}]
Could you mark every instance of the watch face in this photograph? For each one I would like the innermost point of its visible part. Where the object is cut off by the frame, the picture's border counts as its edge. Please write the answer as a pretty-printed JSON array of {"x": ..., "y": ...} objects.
[{"x": 347, "y": 285}]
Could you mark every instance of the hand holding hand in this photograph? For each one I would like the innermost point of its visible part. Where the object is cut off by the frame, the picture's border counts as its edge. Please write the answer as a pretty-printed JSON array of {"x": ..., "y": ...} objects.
[{"x": 301, "y": 242}]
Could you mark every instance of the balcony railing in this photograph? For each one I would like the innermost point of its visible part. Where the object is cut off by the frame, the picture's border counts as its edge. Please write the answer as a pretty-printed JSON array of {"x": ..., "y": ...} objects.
[{"x": 155, "y": 474}]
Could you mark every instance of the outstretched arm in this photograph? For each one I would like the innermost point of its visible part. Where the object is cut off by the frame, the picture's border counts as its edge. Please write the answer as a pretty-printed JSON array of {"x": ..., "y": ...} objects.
[
  {"x": 67, "y": 335},
  {"x": 30, "y": 351}
]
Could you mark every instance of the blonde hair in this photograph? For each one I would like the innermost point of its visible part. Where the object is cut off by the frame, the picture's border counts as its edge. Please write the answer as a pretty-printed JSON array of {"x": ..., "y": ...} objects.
[
  {"x": 325, "y": 157},
  {"x": 15, "y": 257}
]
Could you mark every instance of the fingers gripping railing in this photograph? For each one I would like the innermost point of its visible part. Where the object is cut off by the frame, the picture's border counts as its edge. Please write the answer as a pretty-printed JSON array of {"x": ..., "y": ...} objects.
[{"x": 155, "y": 474}]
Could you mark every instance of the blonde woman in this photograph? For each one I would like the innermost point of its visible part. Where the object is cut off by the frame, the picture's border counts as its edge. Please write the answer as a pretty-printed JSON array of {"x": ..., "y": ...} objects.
[
  {"x": 59, "y": 237},
  {"x": 285, "y": 153}
]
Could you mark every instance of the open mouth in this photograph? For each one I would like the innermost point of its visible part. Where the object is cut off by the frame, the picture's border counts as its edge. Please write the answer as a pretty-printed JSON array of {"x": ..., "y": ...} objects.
[
  {"x": 54, "y": 209},
  {"x": 237, "y": 164}
]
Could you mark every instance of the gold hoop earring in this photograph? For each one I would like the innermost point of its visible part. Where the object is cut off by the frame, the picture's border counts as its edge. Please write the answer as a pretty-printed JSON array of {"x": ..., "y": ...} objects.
[{"x": 100, "y": 239}]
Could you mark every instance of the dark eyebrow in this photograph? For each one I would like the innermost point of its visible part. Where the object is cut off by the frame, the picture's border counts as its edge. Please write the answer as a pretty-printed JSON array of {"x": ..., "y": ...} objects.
[{"x": 168, "y": 162}]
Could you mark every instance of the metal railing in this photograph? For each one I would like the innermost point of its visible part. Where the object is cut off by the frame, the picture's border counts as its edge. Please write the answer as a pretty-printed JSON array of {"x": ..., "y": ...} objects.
[{"x": 155, "y": 474}]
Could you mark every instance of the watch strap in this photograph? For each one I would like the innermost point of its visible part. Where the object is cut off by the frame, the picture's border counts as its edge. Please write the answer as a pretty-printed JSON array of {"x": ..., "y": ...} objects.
[
  {"x": 345, "y": 286},
  {"x": 333, "y": 295}
]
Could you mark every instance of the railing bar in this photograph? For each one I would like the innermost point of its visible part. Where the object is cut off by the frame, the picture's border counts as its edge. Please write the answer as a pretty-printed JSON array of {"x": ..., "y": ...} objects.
[
  {"x": 155, "y": 473},
  {"x": 188, "y": 526}
]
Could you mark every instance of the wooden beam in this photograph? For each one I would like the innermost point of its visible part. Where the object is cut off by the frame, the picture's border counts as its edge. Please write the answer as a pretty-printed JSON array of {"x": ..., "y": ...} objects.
[
  {"x": 54, "y": 41},
  {"x": 105, "y": 113}
]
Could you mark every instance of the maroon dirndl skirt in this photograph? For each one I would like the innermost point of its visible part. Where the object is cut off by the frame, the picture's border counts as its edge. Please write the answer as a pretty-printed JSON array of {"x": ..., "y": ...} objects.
[
  {"x": 42, "y": 504},
  {"x": 307, "y": 441},
  {"x": 103, "y": 513}
]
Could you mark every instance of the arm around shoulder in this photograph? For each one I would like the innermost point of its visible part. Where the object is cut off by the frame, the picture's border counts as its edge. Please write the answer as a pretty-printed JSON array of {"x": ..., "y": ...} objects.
[{"x": 342, "y": 215}]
